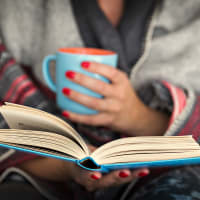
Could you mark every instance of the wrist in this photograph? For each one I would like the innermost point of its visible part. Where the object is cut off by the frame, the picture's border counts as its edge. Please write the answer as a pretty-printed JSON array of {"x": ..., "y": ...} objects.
[{"x": 146, "y": 121}]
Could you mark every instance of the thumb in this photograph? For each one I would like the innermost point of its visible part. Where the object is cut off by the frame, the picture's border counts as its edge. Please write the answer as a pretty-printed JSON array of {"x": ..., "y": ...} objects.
[{"x": 95, "y": 175}]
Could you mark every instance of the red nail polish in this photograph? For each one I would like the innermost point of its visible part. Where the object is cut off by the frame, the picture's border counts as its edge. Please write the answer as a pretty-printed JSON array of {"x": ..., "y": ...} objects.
[
  {"x": 65, "y": 114},
  {"x": 70, "y": 74},
  {"x": 95, "y": 177},
  {"x": 66, "y": 91},
  {"x": 142, "y": 174},
  {"x": 123, "y": 174},
  {"x": 85, "y": 64}
]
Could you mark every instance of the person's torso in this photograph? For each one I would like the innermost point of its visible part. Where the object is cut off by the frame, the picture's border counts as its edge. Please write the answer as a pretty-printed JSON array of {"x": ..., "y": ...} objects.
[{"x": 33, "y": 29}]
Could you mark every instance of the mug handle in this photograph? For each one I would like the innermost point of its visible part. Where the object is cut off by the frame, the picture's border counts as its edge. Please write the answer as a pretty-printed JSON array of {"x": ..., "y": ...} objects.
[{"x": 46, "y": 73}]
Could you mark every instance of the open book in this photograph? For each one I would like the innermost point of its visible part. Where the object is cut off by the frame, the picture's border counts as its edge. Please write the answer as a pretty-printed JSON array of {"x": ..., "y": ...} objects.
[{"x": 38, "y": 132}]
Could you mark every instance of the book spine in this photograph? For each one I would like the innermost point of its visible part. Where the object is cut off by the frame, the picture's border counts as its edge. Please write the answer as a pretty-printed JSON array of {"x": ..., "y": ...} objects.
[{"x": 90, "y": 164}]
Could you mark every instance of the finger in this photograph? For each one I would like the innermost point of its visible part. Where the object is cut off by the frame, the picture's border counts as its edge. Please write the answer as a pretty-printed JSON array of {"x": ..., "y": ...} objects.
[
  {"x": 140, "y": 172},
  {"x": 90, "y": 180},
  {"x": 88, "y": 101},
  {"x": 109, "y": 72},
  {"x": 93, "y": 84},
  {"x": 90, "y": 175},
  {"x": 121, "y": 176},
  {"x": 86, "y": 175},
  {"x": 93, "y": 120},
  {"x": 103, "y": 105},
  {"x": 95, "y": 175},
  {"x": 115, "y": 178}
]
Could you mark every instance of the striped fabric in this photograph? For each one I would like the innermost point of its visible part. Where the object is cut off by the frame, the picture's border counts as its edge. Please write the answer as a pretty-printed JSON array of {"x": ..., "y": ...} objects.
[{"x": 16, "y": 86}]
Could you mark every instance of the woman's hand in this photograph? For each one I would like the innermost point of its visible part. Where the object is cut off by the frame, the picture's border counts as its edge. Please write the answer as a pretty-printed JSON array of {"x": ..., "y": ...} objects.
[
  {"x": 120, "y": 109},
  {"x": 62, "y": 171},
  {"x": 95, "y": 180}
]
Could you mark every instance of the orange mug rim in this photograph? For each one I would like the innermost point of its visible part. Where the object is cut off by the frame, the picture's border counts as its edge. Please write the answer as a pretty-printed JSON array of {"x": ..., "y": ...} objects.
[{"x": 86, "y": 51}]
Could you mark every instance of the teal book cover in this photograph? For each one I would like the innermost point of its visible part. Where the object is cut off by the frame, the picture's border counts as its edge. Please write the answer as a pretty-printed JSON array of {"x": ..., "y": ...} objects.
[
  {"x": 37, "y": 132},
  {"x": 89, "y": 163}
]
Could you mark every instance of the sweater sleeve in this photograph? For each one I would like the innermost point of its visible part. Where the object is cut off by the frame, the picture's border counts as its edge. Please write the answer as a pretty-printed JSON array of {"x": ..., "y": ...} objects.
[
  {"x": 185, "y": 117},
  {"x": 181, "y": 104},
  {"x": 17, "y": 87},
  {"x": 174, "y": 57}
]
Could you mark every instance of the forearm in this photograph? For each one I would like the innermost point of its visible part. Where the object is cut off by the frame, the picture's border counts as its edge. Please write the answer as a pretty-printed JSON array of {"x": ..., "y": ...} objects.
[
  {"x": 149, "y": 122},
  {"x": 48, "y": 168}
]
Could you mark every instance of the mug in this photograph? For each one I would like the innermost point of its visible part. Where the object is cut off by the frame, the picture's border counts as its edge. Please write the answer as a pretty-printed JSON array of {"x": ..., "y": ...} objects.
[{"x": 70, "y": 59}]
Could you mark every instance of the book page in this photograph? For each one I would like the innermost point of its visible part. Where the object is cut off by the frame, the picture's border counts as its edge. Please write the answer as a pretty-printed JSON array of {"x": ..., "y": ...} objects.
[
  {"x": 40, "y": 139},
  {"x": 39, "y": 150},
  {"x": 26, "y": 118},
  {"x": 149, "y": 148},
  {"x": 147, "y": 157}
]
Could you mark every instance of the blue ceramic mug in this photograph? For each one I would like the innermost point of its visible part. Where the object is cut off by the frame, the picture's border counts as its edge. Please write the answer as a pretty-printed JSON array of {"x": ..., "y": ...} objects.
[{"x": 70, "y": 59}]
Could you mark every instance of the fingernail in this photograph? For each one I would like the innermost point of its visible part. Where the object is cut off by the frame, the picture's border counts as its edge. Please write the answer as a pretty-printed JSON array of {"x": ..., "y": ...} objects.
[
  {"x": 65, "y": 114},
  {"x": 142, "y": 174},
  {"x": 66, "y": 91},
  {"x": 85, "y": 64},
  {"x": 123, "y": 174},
  {"x": 70, "y": 74},
  {"x": 95, "y": 177}
]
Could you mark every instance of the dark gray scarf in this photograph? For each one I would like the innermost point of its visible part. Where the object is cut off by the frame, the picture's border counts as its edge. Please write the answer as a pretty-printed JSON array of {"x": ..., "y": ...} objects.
[{"x": 126, "y": 39}]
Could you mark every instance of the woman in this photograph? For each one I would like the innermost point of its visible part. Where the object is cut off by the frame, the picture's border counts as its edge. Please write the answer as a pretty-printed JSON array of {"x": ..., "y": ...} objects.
[{"x": 141, "y": 99}]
